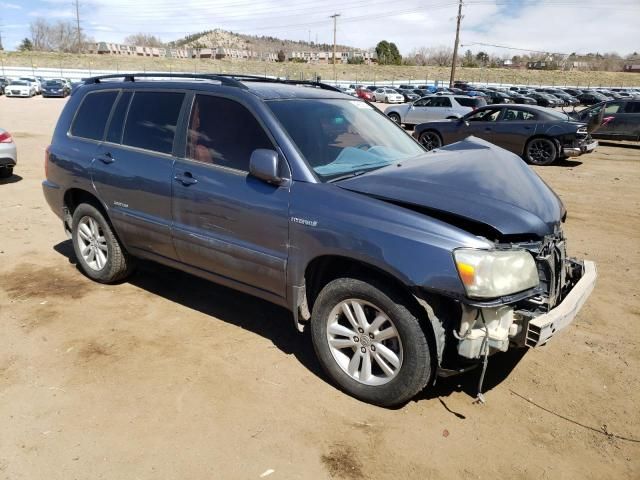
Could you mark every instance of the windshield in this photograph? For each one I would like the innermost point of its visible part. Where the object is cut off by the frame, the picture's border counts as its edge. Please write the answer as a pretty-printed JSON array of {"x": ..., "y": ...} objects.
[
  {"x": 53, "y": 83},
  {"x": 19, "y": 83},
  {"x": 341, "y": 138}
]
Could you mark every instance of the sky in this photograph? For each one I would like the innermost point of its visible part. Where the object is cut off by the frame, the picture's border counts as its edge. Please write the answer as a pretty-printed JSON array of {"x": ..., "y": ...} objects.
[{"x": 558, "y": 26}]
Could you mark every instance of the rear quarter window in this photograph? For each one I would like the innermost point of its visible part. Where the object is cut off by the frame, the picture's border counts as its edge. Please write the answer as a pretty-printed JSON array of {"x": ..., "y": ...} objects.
[
  {"x": 91, "y": 118},
  {"x": 471, "y": 102},
  {"x": 152, "y": 120}
]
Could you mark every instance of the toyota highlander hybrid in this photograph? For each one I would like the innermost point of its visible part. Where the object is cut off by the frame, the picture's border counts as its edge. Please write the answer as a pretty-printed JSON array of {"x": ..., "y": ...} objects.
[{"x": 404, "y": 264}]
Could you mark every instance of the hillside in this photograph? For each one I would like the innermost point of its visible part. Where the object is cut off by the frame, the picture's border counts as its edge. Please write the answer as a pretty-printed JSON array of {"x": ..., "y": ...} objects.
[{"x": 223, "y": 38}]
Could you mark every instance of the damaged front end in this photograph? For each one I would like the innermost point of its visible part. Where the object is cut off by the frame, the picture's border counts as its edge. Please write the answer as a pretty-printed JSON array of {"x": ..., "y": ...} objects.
[{"x": 531, "y": 318}]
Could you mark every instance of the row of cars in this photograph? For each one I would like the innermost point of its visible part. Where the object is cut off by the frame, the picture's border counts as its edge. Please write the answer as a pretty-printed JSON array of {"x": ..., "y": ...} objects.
[{"x": 32, "y": 86}]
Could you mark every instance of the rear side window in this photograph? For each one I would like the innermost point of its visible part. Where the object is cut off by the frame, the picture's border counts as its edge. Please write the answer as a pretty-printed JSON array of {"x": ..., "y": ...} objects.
[
  {"x": 114, "y": 133},
  {"x": 632, "y": 107},
  {"x": 440, "y": 102},
  {"x": 92, "y": 115},
  {"x": 223, "y": 132},
  {"x": 471, "y": 102},
  {"x": 152, "y": 119}
]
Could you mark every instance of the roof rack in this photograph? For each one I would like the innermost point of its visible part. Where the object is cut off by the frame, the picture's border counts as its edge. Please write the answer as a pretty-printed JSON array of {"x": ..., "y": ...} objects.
[
  {"x": 257, "y": 78},
  {"x": 228, "y": 79},
  {"x": 130, "y": 77}
]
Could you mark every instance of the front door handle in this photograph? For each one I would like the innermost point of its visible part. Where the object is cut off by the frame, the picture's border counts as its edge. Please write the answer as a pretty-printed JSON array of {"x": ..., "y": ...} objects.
[
  {"x": 107, "y": 158},
  {"x": 186, "y": 179}
]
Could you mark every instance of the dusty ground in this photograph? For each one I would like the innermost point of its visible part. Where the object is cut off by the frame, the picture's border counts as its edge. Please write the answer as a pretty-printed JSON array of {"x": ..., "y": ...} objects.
[{"x": 168, "y": 376}]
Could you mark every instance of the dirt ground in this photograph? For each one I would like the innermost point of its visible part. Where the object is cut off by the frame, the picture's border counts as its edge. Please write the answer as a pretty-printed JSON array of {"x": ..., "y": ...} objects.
[{"x": 168, "y": 376}]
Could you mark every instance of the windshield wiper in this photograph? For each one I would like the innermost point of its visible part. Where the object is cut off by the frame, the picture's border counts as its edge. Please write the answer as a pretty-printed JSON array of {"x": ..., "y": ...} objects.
[{"x": 349, "y": 175}]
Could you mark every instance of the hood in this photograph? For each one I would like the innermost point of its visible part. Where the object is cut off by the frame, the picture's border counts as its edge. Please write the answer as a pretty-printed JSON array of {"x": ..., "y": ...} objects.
[{"x": 471, "y": 184}]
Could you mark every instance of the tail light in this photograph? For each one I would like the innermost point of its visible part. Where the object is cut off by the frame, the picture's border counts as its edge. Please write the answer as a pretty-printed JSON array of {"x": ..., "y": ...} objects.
[
  {"x": 5, "y": 137},
  {"x": 46, "y": 161}
]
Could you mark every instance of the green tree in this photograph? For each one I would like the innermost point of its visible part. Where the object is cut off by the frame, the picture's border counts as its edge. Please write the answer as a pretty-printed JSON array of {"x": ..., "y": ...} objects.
[
  {"x": 382, "y": 52},
  {"x": 482, "y": 57},
  {"x": 396, "y": 58},
  {"x": 281, "y": 56},
  {"x": 25, "y": 45},
  {"x": 468, "y": 60}
]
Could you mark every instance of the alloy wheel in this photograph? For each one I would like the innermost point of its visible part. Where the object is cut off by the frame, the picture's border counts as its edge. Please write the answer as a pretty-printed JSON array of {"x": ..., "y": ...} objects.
[
  {"x": 430, "y": 140},
  {"x": 92, "y": 243},
  {"x": 364, "y": 342}
]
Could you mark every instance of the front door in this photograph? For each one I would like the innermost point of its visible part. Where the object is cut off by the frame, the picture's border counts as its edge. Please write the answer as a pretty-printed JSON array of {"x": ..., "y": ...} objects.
[
  {"x": 481, "y": 123},
  {"x": 225, "y": 221}
]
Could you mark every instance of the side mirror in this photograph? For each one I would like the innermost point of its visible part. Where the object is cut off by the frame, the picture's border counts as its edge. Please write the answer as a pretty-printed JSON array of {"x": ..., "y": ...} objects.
[
  {"x": 463, "y": 121},
  {"x": 264, "y": 164}
]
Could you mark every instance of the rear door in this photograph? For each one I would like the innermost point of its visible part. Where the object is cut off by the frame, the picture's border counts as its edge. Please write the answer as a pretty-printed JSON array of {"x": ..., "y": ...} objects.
[
  {"x": 132, "y": 169},
  {"x": 225, "y": 221},
  {"x": 513, "y": 128}
]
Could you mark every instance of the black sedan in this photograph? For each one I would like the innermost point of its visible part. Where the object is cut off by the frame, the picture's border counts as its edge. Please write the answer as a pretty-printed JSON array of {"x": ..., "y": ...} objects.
[
  {"x": 522, "y": 99},
  {"x": 409, "y": 95},
  {"x": 539, "y": 135},
  {"x": 55, "y": 88},
  {"x": 591, "y": 98}
]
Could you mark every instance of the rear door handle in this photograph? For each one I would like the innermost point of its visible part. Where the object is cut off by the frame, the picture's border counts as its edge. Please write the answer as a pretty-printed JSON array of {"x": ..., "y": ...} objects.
[
  {"x": 186, "y": 179},
  {"x": 107, "y": 158}
]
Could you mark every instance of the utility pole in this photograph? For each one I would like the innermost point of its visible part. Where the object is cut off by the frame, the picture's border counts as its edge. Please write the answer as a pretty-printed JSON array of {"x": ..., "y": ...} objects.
[
  {"x": 455, "y": 46},
  {"x": 76, "y": 4},
  {"x": 335, "y": 21}
]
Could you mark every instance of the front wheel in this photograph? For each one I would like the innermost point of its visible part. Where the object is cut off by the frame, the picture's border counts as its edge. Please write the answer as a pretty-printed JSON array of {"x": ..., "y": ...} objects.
[
  {"x": 6, "y": 172},
  {"x": 540, "y": 151},
  {"x": 395, "y": 117},
  {"x": 430, "y": 140},
  {"x": 369, "y": 343},
  {"x": 99, "y": 252}
]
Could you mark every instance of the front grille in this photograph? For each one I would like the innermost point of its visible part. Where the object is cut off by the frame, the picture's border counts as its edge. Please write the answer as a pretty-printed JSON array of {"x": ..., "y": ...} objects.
[{"x": 15, "y": 92}]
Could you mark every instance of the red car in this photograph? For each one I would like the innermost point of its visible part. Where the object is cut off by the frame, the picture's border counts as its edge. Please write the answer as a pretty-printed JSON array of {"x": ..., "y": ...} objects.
[{"x": 364, "y": 93}]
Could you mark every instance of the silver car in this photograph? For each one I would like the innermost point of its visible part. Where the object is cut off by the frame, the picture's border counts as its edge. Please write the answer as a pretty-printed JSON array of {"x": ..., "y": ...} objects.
[
  {"x": 434, "y": 107},
  {"x": 387, "y": 95},
  {"x": 8, "y": 154}
]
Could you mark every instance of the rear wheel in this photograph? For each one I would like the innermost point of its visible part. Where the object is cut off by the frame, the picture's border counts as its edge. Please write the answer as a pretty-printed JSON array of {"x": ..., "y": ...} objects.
[
  {"x": 369, "y": 342},
  {"x": 99, "y": 252},
  {"x": 430, "y": 140},
  {"x": 395, "y": 117},
  {"x": 540, "y": 151}
]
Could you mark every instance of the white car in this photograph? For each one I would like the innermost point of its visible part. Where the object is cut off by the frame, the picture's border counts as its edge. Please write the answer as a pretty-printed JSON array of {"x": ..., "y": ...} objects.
[
  {"x": 435, "y": 107},
  {"x": 20, "y": 88},
  {"x": 387, "y": 95},
  {"x": 8, "y": 154},
  {"x": 34, "y": 81}
]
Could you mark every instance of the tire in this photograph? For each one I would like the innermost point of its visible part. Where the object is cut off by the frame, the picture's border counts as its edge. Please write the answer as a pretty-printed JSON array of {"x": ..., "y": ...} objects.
[
  {"x": 395, "y": 349},
  {"x": 540, "y": 151},
  {"x": 91, "y": 231},
  {"x": 430, "y": 140},
  {"x": 395, "y": 117},
  {"x": 6, "y": 172}
]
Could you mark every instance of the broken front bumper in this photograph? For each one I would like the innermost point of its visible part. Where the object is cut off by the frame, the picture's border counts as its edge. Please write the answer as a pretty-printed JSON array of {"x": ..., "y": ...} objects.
[
  {"x": 577, "y": 151},
  {"x": 540, "y": 329}
]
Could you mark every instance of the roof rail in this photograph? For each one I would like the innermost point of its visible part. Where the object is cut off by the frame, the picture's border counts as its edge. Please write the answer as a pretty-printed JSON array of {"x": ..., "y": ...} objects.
[
  {"x": 228, "y": 79},
  {"x": 130, "y": 77},
  {"x": 257, "y": 78}
]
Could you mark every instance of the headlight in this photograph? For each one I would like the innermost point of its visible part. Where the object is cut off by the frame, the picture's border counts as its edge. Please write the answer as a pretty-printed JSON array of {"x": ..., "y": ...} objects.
[{"x": 494, "y": 273}]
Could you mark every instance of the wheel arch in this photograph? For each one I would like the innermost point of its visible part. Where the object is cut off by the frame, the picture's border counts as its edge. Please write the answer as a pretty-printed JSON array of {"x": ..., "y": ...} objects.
[
  {"x": 427, "y": 307},
  {"x": 555, "y": 141},
  {"x": 76, "y": 196}
]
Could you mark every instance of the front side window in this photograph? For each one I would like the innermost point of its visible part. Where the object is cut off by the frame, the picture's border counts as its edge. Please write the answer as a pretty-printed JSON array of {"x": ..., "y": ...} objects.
[
  {"x": 614, "y": 107},
  {"x": 488, "y": 115},
  {"x": 441, "y": 102},
  {"x": 223, "y": 132},
  {"x": 92, "y": 115},
  {"x": 338, "y": 138},
  {"x": 152, "y": 119}
]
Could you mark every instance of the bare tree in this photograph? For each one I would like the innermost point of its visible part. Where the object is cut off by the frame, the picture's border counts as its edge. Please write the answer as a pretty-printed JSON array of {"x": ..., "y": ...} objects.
[
  {"x": 60, "y": 36},
  {"x": 143, "y": 40}
]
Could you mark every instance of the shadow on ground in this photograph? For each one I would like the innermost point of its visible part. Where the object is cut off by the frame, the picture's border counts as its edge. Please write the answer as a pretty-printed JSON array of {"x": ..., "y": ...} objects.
[
  {"x": 276, "y": 323},
  {"x": 12, "y": 179},
  {"x": 566, "y": 163},
  {"x": 610, "y": 143}
]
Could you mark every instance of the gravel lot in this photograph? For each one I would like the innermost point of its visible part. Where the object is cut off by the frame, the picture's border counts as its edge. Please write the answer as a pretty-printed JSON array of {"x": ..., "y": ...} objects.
[{"x": 168, "y": 376}]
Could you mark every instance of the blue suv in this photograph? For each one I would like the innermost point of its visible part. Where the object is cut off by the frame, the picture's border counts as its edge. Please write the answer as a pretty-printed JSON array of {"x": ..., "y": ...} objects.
[{"x": 404, "y": 264}]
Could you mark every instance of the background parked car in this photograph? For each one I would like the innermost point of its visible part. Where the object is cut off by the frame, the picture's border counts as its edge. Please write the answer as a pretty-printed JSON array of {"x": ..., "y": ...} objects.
[
  {"x": 497, "y": 97},
  {"x": 522, "y": 99},
  {"x": 409, "y": 95},
  {"x": 364, "y": 94},
  {"x": 620, "y": 119},
  {"x": 55, "y": 88},
  {"x": 20, "y": 88},
  {"x": 3, "y": 83},
  {"x": 545, "y": 100},
  {"x": 35, "y": 82},
  {"x": 8, "y": 154},
  {"x": 539, "y": 135},
  {"x": 591, "y": 98},
  {"x": 387, "y": 95},
  {"x": 572, "y": 91},
  {"x": 435, "y": 107}
]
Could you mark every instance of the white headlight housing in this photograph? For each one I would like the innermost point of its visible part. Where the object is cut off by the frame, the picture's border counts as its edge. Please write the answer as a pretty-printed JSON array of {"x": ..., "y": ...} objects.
[{"x": 495, "y": 273}]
